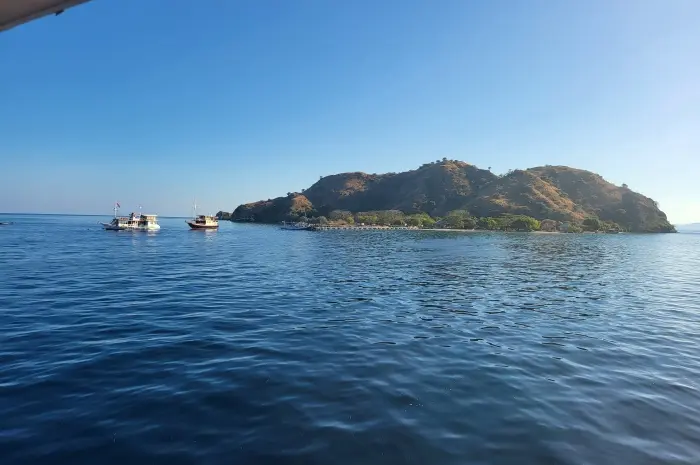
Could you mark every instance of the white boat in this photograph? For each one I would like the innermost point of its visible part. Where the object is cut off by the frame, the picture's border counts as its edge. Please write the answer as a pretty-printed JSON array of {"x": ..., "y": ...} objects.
[{"x": 133, "y": 222}]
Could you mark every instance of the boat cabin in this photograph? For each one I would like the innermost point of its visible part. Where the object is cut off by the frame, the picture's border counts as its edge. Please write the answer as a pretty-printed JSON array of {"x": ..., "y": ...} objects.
[
  {"x": 205, "y": 219},
  {"x": 203, "y": 222}
]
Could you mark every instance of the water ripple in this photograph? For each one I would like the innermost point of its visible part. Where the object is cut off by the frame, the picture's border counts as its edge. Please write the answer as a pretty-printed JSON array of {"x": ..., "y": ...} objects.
[{"x": 255, "y": 345}]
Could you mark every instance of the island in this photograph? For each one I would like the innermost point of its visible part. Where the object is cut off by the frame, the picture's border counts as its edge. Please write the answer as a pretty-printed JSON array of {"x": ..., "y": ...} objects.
[{"x": 453, "y": 194}]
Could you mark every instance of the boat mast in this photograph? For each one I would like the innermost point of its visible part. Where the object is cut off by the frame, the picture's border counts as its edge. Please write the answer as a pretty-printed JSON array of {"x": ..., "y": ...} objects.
[
  {"x": 194, "y": 208},
  {"x": 116, "y": 209}
]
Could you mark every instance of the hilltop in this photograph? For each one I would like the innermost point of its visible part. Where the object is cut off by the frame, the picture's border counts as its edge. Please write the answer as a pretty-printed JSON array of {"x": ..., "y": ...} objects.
[{"x": 557, "y": 193}]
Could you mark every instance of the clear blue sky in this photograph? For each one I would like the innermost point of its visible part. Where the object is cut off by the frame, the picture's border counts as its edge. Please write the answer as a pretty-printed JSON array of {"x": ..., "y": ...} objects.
[{"x": 157, "y": 102}]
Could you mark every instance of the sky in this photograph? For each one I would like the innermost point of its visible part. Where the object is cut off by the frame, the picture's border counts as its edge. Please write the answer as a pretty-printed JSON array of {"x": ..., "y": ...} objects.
[{"x": 157, "y": 102}]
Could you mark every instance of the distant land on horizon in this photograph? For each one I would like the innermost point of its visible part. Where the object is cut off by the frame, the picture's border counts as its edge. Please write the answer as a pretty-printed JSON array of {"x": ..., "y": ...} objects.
[
  {"x": 688, "y": 227},
  {"x": 558, "y": 193}
]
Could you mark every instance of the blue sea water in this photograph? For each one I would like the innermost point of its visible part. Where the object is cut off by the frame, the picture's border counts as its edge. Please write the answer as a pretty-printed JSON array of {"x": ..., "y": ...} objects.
[{"x": 252, "y": 345}]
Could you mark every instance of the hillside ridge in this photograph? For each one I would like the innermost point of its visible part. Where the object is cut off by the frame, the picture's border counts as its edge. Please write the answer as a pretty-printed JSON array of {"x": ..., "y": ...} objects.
[{"x": 559, "y": 193}]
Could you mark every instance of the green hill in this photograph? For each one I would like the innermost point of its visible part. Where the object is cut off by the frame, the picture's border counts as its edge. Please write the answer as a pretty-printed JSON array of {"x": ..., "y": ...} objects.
[{"x": 549, "y": 192}]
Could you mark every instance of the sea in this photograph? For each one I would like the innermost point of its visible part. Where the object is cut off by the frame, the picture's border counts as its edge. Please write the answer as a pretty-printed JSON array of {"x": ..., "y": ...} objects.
[{"x": 254, "y": 345}]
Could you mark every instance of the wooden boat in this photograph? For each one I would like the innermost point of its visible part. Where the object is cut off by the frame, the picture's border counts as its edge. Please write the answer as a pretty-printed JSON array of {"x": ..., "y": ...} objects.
[{"x": 203, "y": 222}]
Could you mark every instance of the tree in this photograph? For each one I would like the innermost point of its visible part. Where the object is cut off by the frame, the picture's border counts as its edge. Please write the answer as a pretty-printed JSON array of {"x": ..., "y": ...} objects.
[
  {"x": 419, "y": 219},
  {"x": 488, "y": 224},
  {"x": 452, "y": 222},
  {"x": 525, "y": 223},
  {"x": 366, "y": 218},
  {"x": 414, "y": 220},
  {"x": 624, "y": 186},
  {"x": 592, "y": 224},
  {"x": 341, "y": 215},
  {"x": 389, "y": 217},
  {"x": 504, "y": 223},
  {"x": 610, "y": 225},
  {"x": 428, "y": 222},
  {"x": 469, "y": 223},
  {"x": 459, "y": 219}
]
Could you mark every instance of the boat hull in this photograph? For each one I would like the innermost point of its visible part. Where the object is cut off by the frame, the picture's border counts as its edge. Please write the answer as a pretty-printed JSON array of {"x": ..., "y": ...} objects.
[
  {"x": 111, "y": 227},
  {"x": 194, "y": 225}
]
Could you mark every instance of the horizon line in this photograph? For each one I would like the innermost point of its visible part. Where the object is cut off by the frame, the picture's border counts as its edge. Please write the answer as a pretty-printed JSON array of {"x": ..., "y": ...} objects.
[{"x": 77, "y": 214}]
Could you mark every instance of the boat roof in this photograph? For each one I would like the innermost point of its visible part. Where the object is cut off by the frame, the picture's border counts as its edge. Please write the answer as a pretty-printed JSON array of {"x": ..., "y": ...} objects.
[
  {"x": 16, "y": 12},
  {"x": 135, "y": 216}
]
